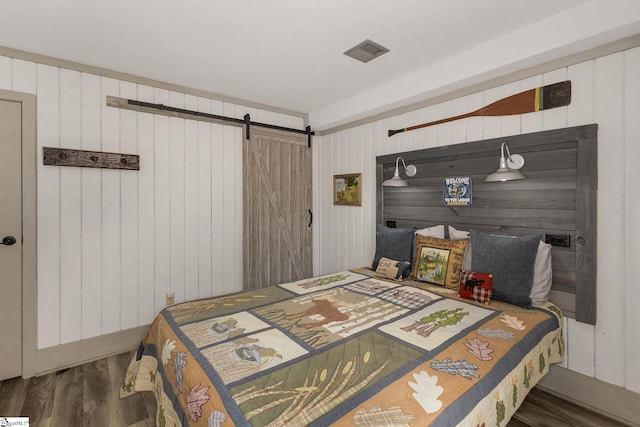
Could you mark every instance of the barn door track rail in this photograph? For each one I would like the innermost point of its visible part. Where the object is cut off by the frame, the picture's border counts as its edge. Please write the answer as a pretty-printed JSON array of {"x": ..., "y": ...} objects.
[{"x": 149, "y": 107}]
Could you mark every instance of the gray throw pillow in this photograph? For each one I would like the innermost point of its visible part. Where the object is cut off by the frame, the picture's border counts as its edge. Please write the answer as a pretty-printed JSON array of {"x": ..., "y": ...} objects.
[
  {"x": 396, "y": 244},
  {"x": 511, "y": 260}
]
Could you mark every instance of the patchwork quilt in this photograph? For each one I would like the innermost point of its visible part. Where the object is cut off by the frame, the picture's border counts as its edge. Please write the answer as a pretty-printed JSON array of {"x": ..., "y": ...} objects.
[{"x": 344, "y": 349}]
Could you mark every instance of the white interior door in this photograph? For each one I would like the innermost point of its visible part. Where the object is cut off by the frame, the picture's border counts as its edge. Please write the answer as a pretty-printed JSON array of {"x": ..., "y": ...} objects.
[{"x": 10, "y": 239}]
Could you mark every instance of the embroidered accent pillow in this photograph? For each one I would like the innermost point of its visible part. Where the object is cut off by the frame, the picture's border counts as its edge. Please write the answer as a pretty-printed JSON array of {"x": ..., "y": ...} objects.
[
  {"x": 391, "y": 269},
  {"x": 476, "y": 286},
  {"x": 438, "y": 261}
]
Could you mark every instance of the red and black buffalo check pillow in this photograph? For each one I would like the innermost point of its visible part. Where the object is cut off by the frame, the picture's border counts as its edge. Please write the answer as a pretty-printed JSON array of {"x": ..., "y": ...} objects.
[{"x": 476, "y": 286}]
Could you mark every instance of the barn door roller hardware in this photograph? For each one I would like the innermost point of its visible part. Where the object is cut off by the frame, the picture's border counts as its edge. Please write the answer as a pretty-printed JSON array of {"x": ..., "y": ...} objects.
[
  {"x": 132, "y": 104},
  {"x": 247, "y": 122}
]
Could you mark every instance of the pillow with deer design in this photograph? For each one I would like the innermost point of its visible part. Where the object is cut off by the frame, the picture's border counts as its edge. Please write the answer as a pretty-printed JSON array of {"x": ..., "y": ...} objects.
[{"x": 476, "y": 286}]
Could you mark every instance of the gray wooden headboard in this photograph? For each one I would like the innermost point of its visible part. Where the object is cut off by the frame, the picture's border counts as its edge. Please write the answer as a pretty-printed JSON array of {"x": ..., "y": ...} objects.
[{"x": 557, "y": 199}]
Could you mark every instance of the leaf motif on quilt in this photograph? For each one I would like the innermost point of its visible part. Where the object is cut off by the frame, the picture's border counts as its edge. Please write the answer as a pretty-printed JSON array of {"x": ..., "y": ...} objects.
[
  {"x": 195, "y": 399},
  {"x": 479, "y": 349},
  {"x": 178, "y": 363},
  {"x": 513, "y": 322},
  {"x": 460, "y": 367},
  {"x": 167, "y": 348},
  {"x": 392, "y": 416},
  {"x": 497, "y": 333},
  {"x": 427, "y": 391},
  {"x": 217, "y": 418}
]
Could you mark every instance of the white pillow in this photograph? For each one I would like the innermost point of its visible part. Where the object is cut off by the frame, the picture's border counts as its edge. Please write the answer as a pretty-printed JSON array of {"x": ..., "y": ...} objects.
[
  {"x": 542, "y": 274},
  {"x": 461, "y": 235},
  {"x": 542, "y": 270},
  {"x": 435, "y": 231}
]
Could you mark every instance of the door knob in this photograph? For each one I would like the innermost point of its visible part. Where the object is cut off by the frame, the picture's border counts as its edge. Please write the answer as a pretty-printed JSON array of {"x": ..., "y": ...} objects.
[{"x": 8, "y": 240}]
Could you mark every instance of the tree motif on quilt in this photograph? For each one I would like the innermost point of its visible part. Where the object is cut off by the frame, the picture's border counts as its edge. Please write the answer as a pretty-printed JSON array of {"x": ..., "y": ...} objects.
[
  {"x": 323, "y": 281},
  {"x": 441, "y": 318},
  {"x": 501, "y": 411}
]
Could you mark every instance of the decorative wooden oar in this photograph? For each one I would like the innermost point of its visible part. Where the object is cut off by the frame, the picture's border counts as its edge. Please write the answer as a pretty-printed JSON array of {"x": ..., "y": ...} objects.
[{"x": 540, "y": 98}]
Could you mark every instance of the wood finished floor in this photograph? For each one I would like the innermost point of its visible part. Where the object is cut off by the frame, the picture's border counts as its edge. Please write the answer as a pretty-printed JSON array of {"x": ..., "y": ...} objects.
[{"x": 88, "y": 395}]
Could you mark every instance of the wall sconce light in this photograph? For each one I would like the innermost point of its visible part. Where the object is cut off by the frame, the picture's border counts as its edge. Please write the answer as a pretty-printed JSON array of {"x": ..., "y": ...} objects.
[
  {"x": 396, "y": 181},
  {"x": 509, "y": 169}
]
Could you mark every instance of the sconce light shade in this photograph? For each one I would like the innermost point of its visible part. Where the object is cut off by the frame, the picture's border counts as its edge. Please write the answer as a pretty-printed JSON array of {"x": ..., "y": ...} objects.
[
  {"x": 509, "y": 167},
  {"x": 396, "y": 180}
]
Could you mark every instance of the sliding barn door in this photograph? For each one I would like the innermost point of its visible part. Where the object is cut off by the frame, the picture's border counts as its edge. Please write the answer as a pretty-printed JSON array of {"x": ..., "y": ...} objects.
[{"x": 277, "y": 204}]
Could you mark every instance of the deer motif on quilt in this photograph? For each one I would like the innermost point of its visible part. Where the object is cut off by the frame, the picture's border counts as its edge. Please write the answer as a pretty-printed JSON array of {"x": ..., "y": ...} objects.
[{"x": 323, "y": 308}]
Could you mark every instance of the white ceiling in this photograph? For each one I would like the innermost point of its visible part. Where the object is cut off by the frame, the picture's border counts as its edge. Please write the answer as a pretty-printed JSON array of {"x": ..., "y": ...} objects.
[{"x": 289, "y": 53}]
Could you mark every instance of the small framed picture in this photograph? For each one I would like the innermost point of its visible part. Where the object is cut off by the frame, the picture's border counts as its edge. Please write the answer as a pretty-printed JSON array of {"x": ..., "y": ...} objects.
[{"x": 347, "y": 189}]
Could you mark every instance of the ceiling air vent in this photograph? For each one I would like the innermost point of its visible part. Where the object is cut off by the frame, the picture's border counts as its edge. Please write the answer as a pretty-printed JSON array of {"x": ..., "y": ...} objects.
[{"x": 366, "y": 51}]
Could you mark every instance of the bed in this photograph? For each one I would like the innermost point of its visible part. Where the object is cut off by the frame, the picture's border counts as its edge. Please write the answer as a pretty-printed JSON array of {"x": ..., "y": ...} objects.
[
  {"x": 451, "y": 324},
  {"x": 348, "y": 348}
]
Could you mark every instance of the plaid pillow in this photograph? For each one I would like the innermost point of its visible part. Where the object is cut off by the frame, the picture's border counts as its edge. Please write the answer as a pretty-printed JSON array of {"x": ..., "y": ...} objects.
[{"x": 476, "y": 286}]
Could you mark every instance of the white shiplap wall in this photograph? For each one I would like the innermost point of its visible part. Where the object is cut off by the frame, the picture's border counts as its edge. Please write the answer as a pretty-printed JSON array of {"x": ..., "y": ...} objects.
[
  {"x": 606, "y": 91},
  {"x": 112, "y": 243}
]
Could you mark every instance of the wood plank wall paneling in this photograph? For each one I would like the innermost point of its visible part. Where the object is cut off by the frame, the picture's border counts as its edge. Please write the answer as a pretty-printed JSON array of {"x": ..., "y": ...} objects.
[
  {"x": 70, "y": 208},
  {"x": 91, "y": 209},
  {"x": 610, "y": 351},
  {"x": 631, "y": 226},
  {"x": 48, "y": 134},
  {"x": 610, "y": 332},
  {"x": 110, "y": 215},
  {"x": 146, "y": 221},
  {"x": 128, "y": 134},
  {"x": 557, "y": 198},
  {"x": 111, "y": 243}
]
